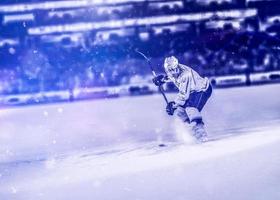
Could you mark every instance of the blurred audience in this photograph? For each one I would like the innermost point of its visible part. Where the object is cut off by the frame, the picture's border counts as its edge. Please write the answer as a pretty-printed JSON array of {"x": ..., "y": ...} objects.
[{"x": 34, "y": 65}]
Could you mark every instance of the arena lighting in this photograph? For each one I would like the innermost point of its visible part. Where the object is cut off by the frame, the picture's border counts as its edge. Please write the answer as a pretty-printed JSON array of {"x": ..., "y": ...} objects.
[
  {"x": 221, "y": 23},
  {"x": 81, "y": 11},
  {"x": 172, "y": 28},
  {"x": 207, "y": 2},
  {"x": 273, "y": 18},
  {"x": 161, "y": 20},
  {"x": 21, "y": 17},
  {"x": 258, "y": 0},
  {"x": 48, "y": 5},
  {"x": 4, "y": 41},
  {"x": 75, "y": 37},
  {"x": 42, "y": 6},
  {"x": 167, "y": 3},
  {"x": 108, "y": 9}
]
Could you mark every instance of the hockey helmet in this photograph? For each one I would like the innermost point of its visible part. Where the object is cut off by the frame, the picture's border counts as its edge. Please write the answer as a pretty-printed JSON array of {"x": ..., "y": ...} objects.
[{"x": 171, "y": 65}]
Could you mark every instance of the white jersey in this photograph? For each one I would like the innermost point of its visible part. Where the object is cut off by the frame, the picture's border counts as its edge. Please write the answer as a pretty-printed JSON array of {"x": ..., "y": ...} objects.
[{"x": 187, "y": 82}]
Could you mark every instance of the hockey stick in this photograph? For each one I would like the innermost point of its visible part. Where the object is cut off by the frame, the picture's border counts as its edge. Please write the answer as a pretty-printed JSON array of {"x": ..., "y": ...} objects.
[{"x": 154, "y": 74}]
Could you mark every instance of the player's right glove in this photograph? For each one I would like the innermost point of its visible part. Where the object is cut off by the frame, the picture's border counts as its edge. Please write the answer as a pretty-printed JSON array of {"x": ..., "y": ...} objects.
[
  {"x": 159, "y": 80},
  {"x": 170, "y": 108}
]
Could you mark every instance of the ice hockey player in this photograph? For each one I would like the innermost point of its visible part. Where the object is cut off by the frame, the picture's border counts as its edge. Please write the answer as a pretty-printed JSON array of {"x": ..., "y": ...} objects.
[{"x": 194, "y": 92}]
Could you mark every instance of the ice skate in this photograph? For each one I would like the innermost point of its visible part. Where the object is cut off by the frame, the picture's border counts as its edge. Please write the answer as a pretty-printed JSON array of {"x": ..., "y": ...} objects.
[{"x": 200, "y": 133}]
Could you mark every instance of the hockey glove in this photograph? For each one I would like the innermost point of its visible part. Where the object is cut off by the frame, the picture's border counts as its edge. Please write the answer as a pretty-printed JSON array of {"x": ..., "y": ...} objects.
[
  {"x": 159, "y": 80},
  {"x": 170, "y": 108}
]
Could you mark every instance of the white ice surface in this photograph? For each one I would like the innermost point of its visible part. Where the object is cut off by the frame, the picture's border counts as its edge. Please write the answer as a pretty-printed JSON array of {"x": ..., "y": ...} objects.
[{"x": 108, "y": 150}]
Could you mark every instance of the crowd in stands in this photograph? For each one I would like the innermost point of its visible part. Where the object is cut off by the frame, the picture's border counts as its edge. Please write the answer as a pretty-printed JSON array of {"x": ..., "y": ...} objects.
[{"x": 33, "y": 65}]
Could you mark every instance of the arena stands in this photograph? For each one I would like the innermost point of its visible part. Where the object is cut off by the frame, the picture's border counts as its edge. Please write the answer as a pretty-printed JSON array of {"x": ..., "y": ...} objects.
[{"x": 63, "y": 45}]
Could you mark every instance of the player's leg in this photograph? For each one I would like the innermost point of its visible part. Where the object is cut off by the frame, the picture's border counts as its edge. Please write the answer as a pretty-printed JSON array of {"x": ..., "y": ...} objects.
[
  {"x": 199, "y": 99},
  {"x": 197, "y": 124},
  {"x": 204, "y": 98},
  {"x": 181, "y": 113}
]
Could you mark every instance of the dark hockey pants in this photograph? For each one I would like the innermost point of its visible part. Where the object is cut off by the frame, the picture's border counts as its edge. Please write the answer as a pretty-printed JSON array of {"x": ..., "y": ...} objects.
[
  {"x": 194, "y": 105},
  {"x": 199, "y": 99}
]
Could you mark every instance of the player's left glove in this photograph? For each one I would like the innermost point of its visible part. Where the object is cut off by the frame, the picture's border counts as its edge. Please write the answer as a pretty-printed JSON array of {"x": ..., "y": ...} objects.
[
  {"x": 170, "y": 108},
  {"x": 159, "y": 80}
]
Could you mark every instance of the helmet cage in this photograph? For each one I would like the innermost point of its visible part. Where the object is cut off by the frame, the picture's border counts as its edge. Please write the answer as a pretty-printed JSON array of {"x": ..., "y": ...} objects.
[{"x": 171, "y": 65}]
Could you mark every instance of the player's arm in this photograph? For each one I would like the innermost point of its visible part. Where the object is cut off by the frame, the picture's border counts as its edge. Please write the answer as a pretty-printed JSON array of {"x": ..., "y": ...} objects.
[
  {"x": 184, "y": 91},
  {"x": 182, "y": 96}
]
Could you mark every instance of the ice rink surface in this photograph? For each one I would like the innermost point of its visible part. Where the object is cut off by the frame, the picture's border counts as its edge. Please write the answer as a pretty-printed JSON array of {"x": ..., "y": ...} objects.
[{"x": 108, "y": 149}]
